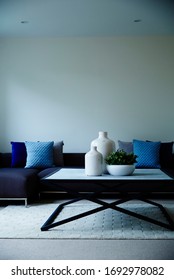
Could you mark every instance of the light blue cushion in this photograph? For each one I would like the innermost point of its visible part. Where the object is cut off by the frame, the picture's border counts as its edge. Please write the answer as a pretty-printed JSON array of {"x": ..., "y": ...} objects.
[
  {"x": 125, "y": 146},
  {"x": 39, "y": 154},
  {"x": 148, "y": 154}
]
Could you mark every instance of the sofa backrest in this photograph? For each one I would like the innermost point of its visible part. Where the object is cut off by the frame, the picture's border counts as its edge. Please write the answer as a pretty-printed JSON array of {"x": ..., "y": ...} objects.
[
  {"x": 74, "y": 159},
  {"x": 5, "y": 159},
  {"x": 70, "y": 159}
]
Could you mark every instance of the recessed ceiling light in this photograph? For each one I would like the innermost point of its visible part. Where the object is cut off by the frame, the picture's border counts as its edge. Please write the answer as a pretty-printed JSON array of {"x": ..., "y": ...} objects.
[
  {"x": 24, "y": 21},
  {"x": 137, "y": 20}
]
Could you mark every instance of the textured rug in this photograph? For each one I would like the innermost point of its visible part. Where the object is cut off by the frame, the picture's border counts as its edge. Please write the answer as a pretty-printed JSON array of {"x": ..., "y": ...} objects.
[{"x": 25, "y": 222}]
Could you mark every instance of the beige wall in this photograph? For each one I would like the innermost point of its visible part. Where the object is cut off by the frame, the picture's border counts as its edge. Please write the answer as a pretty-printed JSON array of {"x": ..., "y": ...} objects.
[{"x": 70, "y": 88}]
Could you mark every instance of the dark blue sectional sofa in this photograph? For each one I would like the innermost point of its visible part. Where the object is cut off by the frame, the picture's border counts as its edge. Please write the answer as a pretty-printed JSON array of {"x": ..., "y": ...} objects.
[{"x": 18, "y": 183}]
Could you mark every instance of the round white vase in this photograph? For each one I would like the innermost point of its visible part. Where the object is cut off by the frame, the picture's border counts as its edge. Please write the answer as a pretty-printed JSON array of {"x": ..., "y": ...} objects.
[
  {"x": 104, "y": 145},
  {"x": 93, "y": 162},
  {"x": 120, "y": 170}
]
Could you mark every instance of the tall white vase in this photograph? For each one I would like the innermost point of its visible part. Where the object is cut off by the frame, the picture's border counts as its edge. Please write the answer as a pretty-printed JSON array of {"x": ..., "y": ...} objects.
[
  {"x": 104, "y": 146},
  {"x": 93, "y": 162}
]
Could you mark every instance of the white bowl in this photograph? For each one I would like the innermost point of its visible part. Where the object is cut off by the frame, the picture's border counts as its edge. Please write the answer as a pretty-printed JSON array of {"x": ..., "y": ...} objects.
[{"x": 120, "y": 170}]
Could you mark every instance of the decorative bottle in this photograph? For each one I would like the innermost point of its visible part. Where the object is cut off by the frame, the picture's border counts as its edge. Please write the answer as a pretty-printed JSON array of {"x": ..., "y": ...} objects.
[
  {"x": 104, "y": 146},
  {"x": 93, "y": 162}
]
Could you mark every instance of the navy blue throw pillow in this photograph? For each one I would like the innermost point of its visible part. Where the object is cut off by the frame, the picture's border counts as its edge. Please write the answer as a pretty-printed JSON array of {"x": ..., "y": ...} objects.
[
  {"x": 19, "y": 154},
  {"x": 166, "y": 154}
]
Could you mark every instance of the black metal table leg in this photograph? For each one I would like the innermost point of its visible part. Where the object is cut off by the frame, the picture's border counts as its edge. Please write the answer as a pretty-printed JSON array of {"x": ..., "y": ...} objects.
[
  {"x": 105, "y": 205},
  {"x": 93, "y": 197}
]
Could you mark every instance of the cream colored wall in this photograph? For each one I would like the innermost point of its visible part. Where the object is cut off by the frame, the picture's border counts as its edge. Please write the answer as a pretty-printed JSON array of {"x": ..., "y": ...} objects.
[{"x": 70, "y": 88}]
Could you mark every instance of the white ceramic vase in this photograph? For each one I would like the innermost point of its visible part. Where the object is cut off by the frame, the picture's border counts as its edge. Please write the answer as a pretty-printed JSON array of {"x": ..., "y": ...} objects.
[
  {"x": 93, "y": 162},
  {"x": 105, "y": 146},
  {"x": 120, "y": 170}
]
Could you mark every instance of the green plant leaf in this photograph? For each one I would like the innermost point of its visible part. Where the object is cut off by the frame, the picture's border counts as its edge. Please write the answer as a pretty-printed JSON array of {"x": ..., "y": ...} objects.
[{"x": 120, "y": 157}]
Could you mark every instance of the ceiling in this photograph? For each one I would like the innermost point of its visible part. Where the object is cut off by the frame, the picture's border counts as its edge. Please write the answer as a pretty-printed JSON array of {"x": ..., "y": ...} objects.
[{"x": 69, "y": 18}]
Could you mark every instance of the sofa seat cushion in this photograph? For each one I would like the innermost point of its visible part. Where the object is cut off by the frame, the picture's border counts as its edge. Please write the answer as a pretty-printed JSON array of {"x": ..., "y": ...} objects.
[
  {"x": 48, "y": 171},
  {"x": 44, "y": 173},
  {"x": 18, "y": 182}
]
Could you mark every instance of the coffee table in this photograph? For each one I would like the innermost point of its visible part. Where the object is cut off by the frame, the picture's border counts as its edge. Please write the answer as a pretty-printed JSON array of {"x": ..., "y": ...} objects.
[{"x": 133, "y": 187}]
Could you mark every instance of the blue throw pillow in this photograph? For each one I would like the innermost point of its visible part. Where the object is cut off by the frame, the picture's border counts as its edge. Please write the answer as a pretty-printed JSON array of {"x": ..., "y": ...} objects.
[
  {"x": 166, "y": 154},
  {"x": 39, "y": 154},
  {"x": 125, "y": 146},
  {"x": 19, "y": 154},
  {"x": 148, "y": 154}
]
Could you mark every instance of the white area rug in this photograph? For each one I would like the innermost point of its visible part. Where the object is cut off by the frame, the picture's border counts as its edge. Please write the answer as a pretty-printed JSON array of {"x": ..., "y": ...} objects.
[{"x": 21, "y": 222}]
